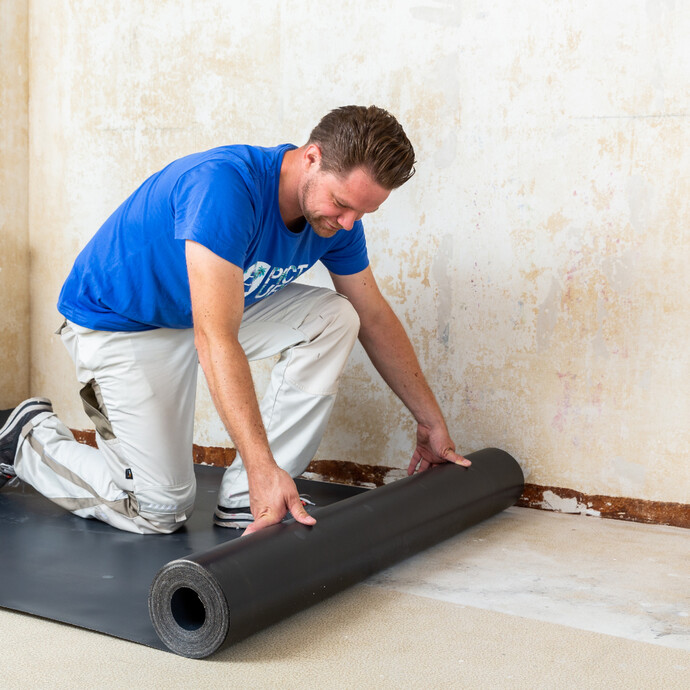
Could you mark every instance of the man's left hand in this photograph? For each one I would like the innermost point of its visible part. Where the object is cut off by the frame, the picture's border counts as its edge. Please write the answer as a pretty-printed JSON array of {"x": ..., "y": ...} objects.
[{"x": 434, "y": 447}]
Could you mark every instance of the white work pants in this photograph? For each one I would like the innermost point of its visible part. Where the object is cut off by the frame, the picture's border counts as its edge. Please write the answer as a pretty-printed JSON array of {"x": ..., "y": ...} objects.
[{"x": 139, "y": 390}]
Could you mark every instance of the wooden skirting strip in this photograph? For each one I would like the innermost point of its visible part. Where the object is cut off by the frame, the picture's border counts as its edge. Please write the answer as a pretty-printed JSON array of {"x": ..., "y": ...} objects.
[{"x": 534, "y": 496}]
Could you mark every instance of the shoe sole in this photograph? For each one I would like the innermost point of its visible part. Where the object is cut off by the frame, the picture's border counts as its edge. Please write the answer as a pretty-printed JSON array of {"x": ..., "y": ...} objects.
[
  {"x": 241, "y": 520},
  {"x": 31, "y": 405},
  {"x": 231, "y": 524},
  {"x": 232, "y": 519}
]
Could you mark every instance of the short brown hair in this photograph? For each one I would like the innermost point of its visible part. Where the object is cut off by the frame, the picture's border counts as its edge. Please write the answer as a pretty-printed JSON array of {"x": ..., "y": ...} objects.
[{"x": 355, "y": 136}]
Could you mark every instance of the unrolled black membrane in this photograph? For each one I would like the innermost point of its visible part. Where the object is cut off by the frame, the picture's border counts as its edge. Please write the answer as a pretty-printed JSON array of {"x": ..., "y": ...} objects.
[
  {"x": 218, "y": 596},
  {"x": 83, "y": 572}
]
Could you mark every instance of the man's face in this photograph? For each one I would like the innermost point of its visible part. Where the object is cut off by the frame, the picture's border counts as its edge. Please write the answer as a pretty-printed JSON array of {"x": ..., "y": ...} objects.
[{"x": 330, "y": 203}]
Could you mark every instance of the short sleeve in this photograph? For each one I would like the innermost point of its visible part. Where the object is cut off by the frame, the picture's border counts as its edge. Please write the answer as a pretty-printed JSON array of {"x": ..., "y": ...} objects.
[
  {"x": 213, "y": 205},
  {"x": 348, "y": 254}
]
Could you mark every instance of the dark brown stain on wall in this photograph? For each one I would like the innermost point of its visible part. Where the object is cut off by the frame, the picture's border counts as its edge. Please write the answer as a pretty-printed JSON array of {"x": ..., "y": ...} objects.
[
  {"x": 345, "y": 472},
  {"x": 356, "y": 474},
  {"x": 213, "y": 455}
]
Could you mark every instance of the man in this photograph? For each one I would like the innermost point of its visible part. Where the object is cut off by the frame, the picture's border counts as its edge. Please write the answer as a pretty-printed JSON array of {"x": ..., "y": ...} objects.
[{"x": 199, "y": 262}]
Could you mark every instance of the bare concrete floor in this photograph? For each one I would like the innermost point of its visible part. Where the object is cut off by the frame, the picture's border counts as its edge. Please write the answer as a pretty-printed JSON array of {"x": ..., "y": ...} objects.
[
  {"x": 528, "y": 599},
  {"x": 618, "y": 578}
]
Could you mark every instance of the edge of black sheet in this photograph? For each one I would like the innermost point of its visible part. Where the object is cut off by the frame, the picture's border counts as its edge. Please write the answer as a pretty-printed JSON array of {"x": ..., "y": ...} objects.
[{"x": 207, "y": 600}]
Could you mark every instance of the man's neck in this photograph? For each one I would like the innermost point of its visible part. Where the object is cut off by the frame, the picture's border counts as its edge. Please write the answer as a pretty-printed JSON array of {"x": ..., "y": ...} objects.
[{"x": 288, "y": 199}]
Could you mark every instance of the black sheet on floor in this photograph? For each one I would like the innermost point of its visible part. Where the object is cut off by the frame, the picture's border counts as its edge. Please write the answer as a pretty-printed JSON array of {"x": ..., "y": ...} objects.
[{"x": 84, "y": 572}]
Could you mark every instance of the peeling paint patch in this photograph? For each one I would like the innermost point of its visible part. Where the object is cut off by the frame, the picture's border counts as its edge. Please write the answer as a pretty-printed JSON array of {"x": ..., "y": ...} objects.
[
  {"x": 560, "y": 504},
  {"x": 611, "y": 507}
]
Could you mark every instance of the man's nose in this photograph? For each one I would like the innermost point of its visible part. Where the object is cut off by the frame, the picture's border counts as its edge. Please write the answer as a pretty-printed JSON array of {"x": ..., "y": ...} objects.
[{"x": 347, "y": 220}]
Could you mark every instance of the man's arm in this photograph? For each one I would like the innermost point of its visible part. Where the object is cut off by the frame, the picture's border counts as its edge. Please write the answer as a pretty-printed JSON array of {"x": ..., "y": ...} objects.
[
  {"x": 391, "y": 352},
  {"x": 217, "y": 291}
]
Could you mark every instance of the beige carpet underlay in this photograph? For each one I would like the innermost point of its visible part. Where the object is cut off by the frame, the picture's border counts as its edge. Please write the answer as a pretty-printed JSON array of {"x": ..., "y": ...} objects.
[{"x": 364, "y": 638}]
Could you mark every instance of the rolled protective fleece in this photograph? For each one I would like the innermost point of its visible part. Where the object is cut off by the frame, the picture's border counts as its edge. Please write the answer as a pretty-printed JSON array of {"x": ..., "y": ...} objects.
[{"x": 208, "y": 600}]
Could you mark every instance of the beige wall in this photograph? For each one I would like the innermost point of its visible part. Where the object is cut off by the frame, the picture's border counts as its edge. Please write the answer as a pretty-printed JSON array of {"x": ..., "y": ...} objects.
[
  {"x": 14, "y": 203},
  {"x": 536, "y": 258}
]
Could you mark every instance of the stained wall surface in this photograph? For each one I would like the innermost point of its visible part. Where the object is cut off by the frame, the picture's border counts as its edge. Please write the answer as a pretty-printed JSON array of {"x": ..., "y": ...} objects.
[
  {"x": 537, "y": 258},
  {"x": 14, "y": 203}
]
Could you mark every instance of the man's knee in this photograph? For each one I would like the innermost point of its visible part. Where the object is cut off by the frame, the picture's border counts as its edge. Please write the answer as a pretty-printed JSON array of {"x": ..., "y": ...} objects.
[
  {"x": 330, "y": 333},
  {"x": 164, "y": 510},
  {"x": 344, "y": 316},
  {"x": 161, "y": 524}
]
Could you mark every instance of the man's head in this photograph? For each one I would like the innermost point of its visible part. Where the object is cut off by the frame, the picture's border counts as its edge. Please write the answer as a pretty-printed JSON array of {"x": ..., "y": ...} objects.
[
  {"x": 354, "y": 157},
  {"x": 355, "y": 136}
]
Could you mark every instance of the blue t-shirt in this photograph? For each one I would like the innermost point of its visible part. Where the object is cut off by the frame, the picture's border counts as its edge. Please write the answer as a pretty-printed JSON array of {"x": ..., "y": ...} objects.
[{"x": 132, "y": 275}]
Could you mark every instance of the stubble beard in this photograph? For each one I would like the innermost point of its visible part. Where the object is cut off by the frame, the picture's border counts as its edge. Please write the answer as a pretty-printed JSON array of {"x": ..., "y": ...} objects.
[{"x": 319, "y": 224}]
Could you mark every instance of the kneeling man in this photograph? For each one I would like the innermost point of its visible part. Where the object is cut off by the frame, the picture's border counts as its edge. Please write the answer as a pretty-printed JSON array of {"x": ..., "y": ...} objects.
[{"x": 198, "y": 265}]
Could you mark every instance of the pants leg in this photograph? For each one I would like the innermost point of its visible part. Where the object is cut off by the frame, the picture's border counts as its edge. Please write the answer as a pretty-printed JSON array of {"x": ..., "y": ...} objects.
[
  {"x": 139, "y": 389},
  {"x": 315, "y": 330}
]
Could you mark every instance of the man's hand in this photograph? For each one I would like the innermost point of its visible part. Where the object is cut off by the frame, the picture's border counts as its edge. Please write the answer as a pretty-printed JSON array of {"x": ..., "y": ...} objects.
[
  {"x": 272, "y": 493},
  {"x": 391, "y": 352},
  {"x": 434, "y": 446}
]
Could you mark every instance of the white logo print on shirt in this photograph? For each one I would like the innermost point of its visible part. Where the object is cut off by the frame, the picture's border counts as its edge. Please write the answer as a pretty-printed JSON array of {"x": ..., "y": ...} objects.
[{"x": 269, "y": 278}]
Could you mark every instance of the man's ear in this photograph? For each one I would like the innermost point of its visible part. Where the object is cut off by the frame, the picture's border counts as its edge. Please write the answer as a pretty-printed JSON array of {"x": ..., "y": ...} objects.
[{"x": 312, "y": 157}]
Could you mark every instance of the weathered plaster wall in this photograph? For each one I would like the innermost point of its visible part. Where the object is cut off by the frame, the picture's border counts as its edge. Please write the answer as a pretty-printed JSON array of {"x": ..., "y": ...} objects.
[
  {"x": 14, "y": 203},
  {"x": 536, "y": 258}
]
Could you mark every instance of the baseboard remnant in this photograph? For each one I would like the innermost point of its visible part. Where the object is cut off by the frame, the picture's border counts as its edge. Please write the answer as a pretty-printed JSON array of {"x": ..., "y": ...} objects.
[
  {"x": 614, "y": 507},
  {"x": 552, "y": 498}
]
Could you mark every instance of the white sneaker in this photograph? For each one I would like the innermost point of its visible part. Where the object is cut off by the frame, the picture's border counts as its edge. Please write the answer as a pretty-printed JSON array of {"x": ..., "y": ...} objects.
[{"x": 241, "y": 518}]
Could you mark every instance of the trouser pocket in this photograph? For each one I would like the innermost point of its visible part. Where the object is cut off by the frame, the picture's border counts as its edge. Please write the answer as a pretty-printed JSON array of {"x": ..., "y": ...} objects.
[{"x": 95, "y": 409}]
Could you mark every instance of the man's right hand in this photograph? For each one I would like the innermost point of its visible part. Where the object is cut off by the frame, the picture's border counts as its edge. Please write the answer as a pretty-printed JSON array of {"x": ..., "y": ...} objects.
[{"x": 272, "y": 493}]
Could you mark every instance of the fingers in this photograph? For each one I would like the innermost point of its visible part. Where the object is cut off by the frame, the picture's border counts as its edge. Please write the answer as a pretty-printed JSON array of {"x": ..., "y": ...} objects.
[
  {"x": 416, "y": 459},
  {"x": 452, "y": 456},
  {"x": 300, "y": 514},
  {"x": 419, "y": 464},
  {"x": 260, "y": 523},
  {"x": 269, "y": 517}
]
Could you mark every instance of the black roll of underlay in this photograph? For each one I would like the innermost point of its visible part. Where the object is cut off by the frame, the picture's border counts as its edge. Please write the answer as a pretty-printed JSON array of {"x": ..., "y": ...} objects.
[{"x": 206, "y": 600}]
